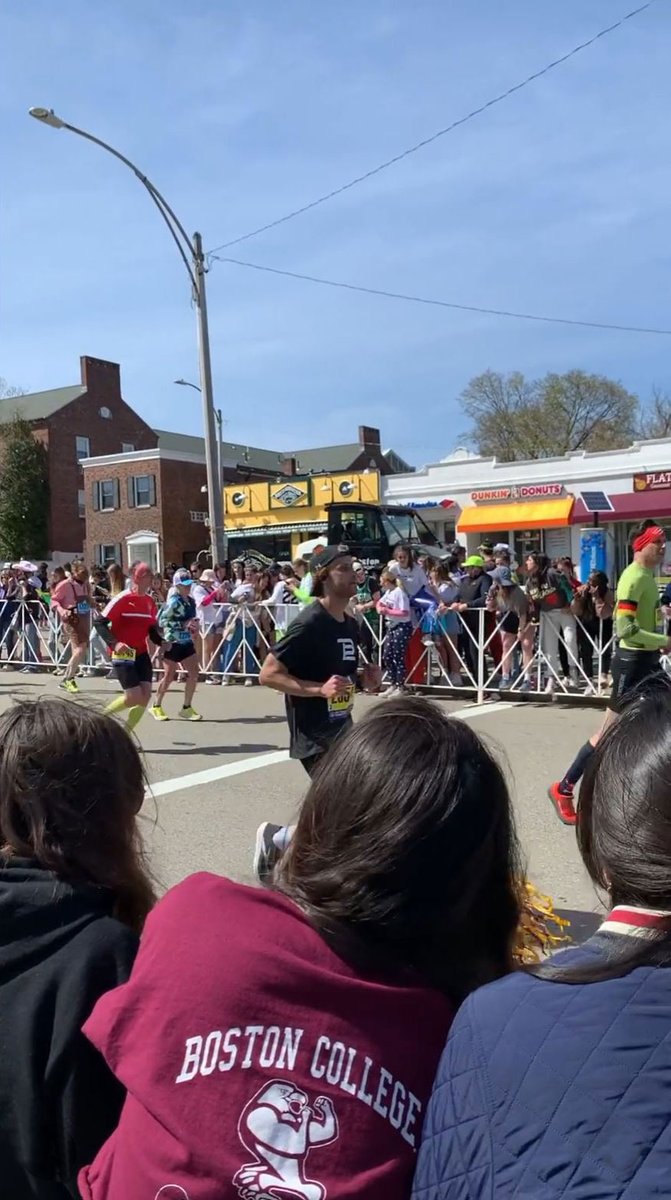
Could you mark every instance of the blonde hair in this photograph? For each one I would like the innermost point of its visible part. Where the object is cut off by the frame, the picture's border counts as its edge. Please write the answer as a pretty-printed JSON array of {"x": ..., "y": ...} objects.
[{"x": 395, "y": 580}]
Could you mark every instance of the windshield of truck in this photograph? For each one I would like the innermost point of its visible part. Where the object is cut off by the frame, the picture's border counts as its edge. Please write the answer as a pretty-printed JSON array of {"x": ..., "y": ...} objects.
[{"x": 401, "y": 527}]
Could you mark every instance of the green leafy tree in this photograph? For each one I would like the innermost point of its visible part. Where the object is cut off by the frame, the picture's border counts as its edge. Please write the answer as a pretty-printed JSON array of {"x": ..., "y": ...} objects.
[
  {"x": 24, "y": 492},
  {"x": 514, "y": 418}
]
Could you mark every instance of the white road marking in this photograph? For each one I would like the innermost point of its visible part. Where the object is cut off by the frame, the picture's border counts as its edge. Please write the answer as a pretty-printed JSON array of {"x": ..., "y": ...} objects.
[{"x": 212, "y": 774}]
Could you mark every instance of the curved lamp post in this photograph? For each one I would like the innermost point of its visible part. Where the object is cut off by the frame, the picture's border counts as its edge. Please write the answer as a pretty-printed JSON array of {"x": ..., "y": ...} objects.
[{"x": 191, "y": 253}]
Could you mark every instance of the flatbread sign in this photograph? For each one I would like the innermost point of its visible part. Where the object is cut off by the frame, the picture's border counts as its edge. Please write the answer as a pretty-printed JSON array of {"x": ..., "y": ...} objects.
[{"x": 653, "y": 481}]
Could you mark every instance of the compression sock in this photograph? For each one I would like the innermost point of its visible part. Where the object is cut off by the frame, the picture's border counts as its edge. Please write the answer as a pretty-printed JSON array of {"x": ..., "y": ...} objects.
[
  {"x": 135, "y": 715},
  {"x": 116, "y": 704},
  {"x": 577, "y": 768}
]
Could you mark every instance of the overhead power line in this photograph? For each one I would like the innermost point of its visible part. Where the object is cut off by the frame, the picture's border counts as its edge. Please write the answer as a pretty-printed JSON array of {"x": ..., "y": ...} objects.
[
  {"x": 472, "y": 308},
  {"x": 476, "y": 112}
]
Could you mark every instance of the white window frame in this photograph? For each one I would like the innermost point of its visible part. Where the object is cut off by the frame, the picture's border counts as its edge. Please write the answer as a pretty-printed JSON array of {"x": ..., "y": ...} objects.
[
  {"x": 136, "y": 492},
  {"x": 81, "y": 501},
  {"x": 127, "y": 447},
  {"x": 102, "y": 507},
  {"x": 79, "y": 452},
  {"x": 102, "y": 557}
]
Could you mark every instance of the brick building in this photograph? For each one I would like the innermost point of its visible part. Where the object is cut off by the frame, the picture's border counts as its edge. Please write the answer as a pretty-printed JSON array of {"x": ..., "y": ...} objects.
[
  {"x": 146, "y": 505},
  {"x": 88, "y": 418},
  {"x": 152, "y": 504}
]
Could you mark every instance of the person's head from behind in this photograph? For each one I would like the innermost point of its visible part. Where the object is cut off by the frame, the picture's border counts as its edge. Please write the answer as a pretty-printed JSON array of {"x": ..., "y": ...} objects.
[
  {"x": 566, "y": 566},
  {"x": 648, "y": 542},
  {"x": 57, "y": 576},
  {"x": 71, "y": 786},
  {"x": 405, "y": 849},
  {"x": 116, "y": 578},
  {"x": 624, "y": 810},
  {"x": 332, "y": 572}
]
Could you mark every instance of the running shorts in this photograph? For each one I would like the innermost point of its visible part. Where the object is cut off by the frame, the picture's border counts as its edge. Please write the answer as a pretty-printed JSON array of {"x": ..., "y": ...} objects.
[
  {"x": 135, "y": 671},
  {"x": 179, "y": 651},
  {"x": 631, "y": 669}
]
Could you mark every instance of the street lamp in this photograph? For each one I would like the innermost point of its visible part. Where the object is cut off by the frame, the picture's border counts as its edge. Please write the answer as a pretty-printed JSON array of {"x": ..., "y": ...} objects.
[
  {"x": 220, "y": 423},
  {"x": 191, "y": 253}
]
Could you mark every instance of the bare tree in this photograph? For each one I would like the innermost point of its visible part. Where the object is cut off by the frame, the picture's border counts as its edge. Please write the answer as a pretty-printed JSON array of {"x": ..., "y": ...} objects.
[
  {"x": 514, "y": 418},
  {"x": 656, "y": 415},
  {"x": 6, "y": 392}
]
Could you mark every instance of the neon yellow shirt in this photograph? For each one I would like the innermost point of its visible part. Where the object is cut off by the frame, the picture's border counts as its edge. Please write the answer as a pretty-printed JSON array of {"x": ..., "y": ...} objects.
[{"x": 636, "y": 610}]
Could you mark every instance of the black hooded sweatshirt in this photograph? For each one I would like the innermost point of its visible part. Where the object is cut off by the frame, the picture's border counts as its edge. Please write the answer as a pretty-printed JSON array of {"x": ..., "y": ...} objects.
[{"x": 60, "y": 949}]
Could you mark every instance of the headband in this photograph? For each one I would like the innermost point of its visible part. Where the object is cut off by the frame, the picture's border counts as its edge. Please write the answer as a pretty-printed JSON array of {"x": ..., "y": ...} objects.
[{"x": 653, "y": 534}]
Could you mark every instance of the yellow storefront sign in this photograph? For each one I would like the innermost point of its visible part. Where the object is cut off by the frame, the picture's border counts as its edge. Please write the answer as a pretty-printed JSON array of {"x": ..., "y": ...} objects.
[{"x": 295, "y": 501}]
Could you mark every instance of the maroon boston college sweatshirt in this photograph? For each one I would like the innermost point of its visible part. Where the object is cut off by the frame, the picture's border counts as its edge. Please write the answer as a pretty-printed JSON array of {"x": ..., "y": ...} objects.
[{"x": 259, "y": 1065}]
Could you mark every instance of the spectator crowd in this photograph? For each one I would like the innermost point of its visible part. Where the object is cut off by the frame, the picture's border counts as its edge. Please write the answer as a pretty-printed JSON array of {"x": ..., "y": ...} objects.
[{"x": 461, "y": 620}]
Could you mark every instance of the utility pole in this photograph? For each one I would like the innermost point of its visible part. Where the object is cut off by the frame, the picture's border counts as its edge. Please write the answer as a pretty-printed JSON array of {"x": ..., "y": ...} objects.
[{"x": 212, "y": 455}]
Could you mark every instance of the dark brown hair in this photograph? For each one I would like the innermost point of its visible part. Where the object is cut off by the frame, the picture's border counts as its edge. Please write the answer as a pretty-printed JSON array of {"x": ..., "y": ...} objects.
[
  {"x": 624, "y": 828},
  {"x": 405, "y": 855},
  {"x": 71, "y": 785}
]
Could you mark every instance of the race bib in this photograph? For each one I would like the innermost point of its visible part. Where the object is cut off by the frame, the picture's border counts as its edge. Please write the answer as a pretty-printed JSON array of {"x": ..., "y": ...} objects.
[
  {"x": 126, "y": 655},
  {"x": 341, "y": 706},
  {"x": 83, "y": 608}
]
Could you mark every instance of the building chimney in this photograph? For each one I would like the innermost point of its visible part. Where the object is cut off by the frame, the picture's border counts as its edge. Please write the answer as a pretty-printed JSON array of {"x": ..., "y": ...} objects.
[
  {"x": 369, "y": 437},
  {"x": 100, "y": 376},
  {"x": 289, "y": 466}
]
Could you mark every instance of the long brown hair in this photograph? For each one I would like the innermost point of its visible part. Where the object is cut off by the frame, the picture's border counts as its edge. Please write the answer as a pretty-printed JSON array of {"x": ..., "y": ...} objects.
[
  {"x": 116, "y": 578},
  {"x": 405, "y": 855},
  {"x": 71, "y": 785}
]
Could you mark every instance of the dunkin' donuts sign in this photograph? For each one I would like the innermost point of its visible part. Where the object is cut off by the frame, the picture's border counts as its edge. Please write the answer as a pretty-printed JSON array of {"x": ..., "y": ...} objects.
[{"x": 526, "y": 491}]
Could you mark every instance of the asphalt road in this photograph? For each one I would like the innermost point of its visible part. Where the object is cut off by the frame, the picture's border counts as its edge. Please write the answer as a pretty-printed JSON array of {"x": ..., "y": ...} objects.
[{"x": 212, "y": 783}]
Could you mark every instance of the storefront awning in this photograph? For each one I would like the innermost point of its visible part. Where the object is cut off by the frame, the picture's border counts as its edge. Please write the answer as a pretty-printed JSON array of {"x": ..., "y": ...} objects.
[
  {"x": 629, "y": 506},
  {"x": 495, "y": 518}
]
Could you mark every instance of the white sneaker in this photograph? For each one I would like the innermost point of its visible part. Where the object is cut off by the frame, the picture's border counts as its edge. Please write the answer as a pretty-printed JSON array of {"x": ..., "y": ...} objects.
[
  {"x": 550, "y": 687},
  {"x": 225, "y": 681},
  {"x": 249, "y": 683},
  {"x": 590, "y": 690}
]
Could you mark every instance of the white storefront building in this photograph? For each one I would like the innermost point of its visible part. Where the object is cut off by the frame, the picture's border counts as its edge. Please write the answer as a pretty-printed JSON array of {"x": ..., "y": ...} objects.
[{"x": 544, "y": 504}]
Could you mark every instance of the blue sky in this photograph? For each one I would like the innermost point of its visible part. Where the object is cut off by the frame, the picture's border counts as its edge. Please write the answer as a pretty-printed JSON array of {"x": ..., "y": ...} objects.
[{"x": 555, "y": 201}]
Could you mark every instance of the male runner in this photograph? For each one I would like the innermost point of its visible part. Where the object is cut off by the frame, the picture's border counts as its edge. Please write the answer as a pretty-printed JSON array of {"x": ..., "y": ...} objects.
[
  {"x": 636, "y": 659},
  {"x": 124, "y": 625},
  {"x": 315, "y": 666}
]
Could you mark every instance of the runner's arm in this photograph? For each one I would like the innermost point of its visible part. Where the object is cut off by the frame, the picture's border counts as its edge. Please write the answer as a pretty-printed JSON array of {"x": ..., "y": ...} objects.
[
  {"x": 627, "y": 626},
  {"x": 275, "y": 675}
]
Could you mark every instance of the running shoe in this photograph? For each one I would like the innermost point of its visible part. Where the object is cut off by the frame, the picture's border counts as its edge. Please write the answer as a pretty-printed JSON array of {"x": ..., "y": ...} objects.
[
  {"x": 70, "y": 685},
  {"x": 563, "y": 803},
  {"x": 266, "y": 853},
  {"x": 159, "y": 713},
  {"x": 188, "y": 713}
]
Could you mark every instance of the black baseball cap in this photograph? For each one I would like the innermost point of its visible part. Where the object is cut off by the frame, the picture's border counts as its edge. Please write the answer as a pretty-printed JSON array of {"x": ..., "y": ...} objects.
[{"x": 325, "y": 555}]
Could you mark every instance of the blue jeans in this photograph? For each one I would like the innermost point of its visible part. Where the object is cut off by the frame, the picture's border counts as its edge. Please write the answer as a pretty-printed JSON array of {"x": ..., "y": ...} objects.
[{"x": 249, "y": 663}]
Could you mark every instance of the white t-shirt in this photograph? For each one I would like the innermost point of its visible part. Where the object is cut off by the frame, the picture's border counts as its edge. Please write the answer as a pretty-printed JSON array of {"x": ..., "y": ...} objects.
[
  {"x": 414, "y": 577},
  {"x": 397, "y": 598},
  {"x": 211, "y": 614}
]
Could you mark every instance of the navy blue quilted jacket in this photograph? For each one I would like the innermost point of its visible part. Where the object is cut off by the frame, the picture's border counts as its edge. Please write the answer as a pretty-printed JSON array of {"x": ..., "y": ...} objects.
[{"x": 549, "y": 1090}]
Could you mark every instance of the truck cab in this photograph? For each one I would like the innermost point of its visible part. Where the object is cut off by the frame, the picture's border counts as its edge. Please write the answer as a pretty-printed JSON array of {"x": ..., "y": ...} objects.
[{"x": 372, "y": 531}]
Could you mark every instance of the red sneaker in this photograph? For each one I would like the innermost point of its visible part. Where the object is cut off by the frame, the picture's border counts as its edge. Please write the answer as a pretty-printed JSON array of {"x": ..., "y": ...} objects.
[{"x": 563, "y": 803}]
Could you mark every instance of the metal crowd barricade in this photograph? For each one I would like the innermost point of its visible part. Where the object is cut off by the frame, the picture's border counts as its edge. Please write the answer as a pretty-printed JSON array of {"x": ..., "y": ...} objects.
[{"x": 235, "y": 646}]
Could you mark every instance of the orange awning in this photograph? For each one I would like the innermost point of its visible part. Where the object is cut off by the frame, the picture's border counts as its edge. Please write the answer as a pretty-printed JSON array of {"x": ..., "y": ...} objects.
[{"x": 534, "y": 514}]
